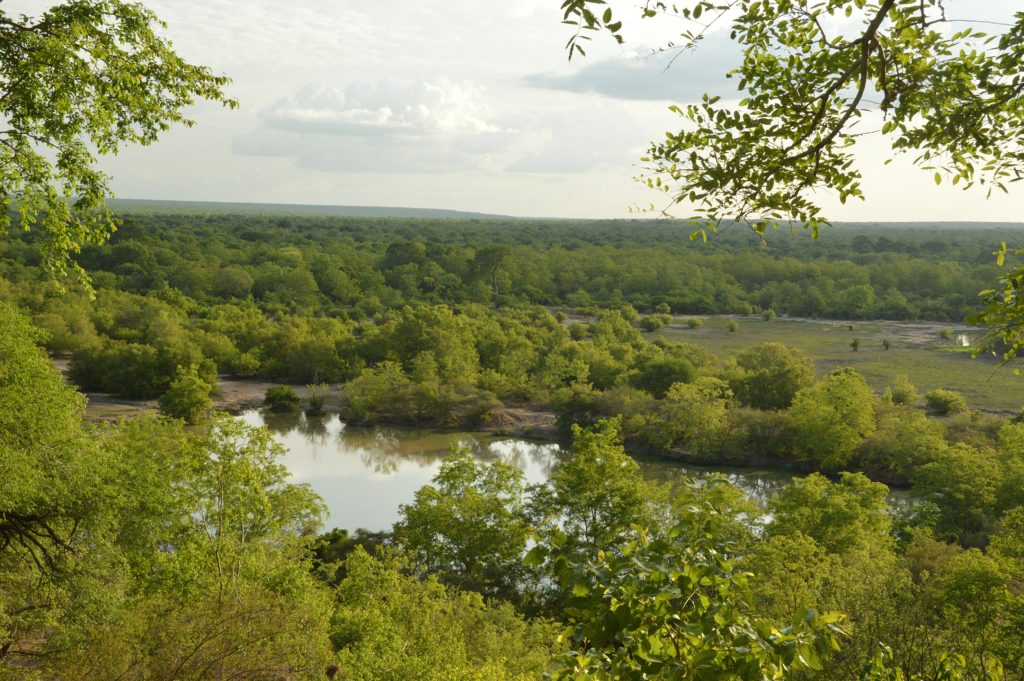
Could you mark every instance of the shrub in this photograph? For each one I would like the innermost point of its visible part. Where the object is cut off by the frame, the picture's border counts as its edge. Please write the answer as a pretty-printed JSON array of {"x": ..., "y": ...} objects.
[
  {"x": 768, "y": 315},
  {"x": 662, "y": 308},
  {"x": 654, "y": 322},
  {"x": 188, "y": 396},
  {"x": 944, "y": 402},
  {"x": 316, "y": 397},
  {"x": 946, "y": 332},
  {"x": 281, "y": 398},
  {"x": 733, "y": 326},
  {"x": 855, "y": 344},
  {"x": 902, "y": 392},
  {"x": 694, "y": 323}
]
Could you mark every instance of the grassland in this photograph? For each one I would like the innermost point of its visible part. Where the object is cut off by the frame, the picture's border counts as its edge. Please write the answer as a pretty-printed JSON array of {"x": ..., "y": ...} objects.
[{"x": 919, "y": 350}]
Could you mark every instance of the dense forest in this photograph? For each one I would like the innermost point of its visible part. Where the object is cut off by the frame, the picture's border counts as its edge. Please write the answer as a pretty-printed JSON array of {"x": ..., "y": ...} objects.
[{"x": 141, "y": 546}]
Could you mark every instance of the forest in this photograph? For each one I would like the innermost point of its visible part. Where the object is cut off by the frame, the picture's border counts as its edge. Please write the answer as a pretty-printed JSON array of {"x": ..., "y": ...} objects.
[
  {"x": 214, "y": 560},
  {"x": 175, "y": 545}
]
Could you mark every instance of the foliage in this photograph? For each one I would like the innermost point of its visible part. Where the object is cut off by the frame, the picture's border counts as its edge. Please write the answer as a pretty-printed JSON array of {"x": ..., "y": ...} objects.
[
  {"x": 772, "y": 375},
  {"x": 805, "y": 81},
  {"x": 597, "y": 496},
  {"x": 691, "y": 416},
  {"x": 316, "y": 397},
  {"x": 945, "y": 402},
  {"x": 389, "y": 625},
  {"x": 673, "y": 605},
  {"x": 469, "y": 525},
  {"x": 840, "y": 517},
  {"x": 84, "y": 78},
  {"x": 281, "y": 398},
  {"x": 188, "y": 396},
  {"x": 902, "y": 392},
  {"x": 830, "y": 418}
]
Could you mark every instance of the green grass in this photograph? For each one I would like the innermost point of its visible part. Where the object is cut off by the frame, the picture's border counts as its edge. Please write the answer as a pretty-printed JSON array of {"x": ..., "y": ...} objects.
[{"x": 916, "y": 349}]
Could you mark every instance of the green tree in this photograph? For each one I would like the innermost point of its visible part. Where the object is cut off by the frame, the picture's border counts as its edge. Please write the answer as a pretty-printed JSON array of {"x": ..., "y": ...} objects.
[
  {"x": 392, "y": 626},
  {"x": 595, "y": 496},
  {"x": 772, "y": 375},
  {"x": 844, "y": 516},
  {"x": 831, "y": 418},
  {"x": 944, "y": 402},
  {"x": 469, "y": 525},
  {"x": 692, "y": 415},
  {"x": 188, "y": 397},
  {"x": 673, "y": 605},
  {"x": 78, "y": 79}
]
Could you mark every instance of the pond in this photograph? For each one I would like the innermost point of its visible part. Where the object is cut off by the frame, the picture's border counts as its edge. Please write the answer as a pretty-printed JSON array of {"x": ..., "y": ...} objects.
[{"x": 364, "y": 474}]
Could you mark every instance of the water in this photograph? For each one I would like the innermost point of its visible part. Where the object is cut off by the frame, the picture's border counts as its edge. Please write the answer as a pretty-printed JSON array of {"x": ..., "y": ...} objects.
[{"x": 365, "y": 474}]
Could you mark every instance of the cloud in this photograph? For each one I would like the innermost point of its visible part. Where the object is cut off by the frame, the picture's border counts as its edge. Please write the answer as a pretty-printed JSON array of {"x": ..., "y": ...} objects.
[
  {"x": 383, "y": 126},
  {"x": 422, "y": 108},
  {"x": 596, "y": 137},
  {"x": 682, "y": 76}
]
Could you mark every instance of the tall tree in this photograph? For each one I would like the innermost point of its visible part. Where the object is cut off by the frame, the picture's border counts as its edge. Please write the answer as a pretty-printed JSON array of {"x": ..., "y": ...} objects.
[{"x": 84, "y": 77}]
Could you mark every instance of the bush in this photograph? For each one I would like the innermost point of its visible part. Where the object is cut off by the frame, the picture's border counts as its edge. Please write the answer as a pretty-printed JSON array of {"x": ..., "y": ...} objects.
[
  {"x": 662, "y": 308},
  {"x": 733, "y": 326},
  {"x": 855, "y": 344},
  {"x": 316, "y": 397},
  {"x": 946, "y": 332},
  {"x": 768, "y": 315},
  {"x": 694, "y": 323},
  {"x": 654, "y": 322},
  {"x": 281, "y": 398},
  {"x": 902, "y": 392},
  {"x": 945, "y": 401},
  {"x": 188, "y": 397}
]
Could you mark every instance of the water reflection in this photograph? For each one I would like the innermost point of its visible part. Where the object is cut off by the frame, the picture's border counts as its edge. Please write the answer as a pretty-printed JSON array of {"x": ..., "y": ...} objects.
[
  {"x": 365, "y": 474},
  {"x": 759, "y": 485}
]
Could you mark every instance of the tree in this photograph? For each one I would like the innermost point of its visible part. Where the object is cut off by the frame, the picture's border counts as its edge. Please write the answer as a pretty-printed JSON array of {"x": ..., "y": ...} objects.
[
  {"x": 84, "y": 77},
  {"x": 944, "y": 402},
  {"x": 392, "y": 626},
  {"x": 844, "y": 516},
  {"x": 469, "y": 525},
  {"x": 949, "y": 96},
  {"x": 772, "y": 375},
  {"x": 831, "y": 418},
  {"x": 188, "y": 398},
  {"x": 596, "y": 495},
  {"x": 691, "y": 415},
  {"x": 673, "y": 605}
]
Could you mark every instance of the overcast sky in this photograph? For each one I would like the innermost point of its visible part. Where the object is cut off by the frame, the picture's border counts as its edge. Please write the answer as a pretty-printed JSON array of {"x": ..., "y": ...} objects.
[{"x": 461, "y": 104}]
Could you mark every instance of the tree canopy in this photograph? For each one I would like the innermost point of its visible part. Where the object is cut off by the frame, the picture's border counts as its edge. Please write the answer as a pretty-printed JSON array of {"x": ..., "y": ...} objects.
[
  {"x": 84, "y": 77},
  {"x": 814, "y": 78}
]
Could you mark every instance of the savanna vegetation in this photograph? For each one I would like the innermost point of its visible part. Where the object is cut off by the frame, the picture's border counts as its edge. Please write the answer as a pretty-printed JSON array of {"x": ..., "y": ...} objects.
[{"x": 148, "y": 550}]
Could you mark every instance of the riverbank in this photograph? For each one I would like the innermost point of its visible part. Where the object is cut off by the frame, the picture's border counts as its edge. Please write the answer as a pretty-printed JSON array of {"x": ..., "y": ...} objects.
[{"x": 236, "y": 395}]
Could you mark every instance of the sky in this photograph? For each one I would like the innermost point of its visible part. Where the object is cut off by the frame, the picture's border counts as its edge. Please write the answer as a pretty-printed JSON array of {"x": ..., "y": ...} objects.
[{"x": 458, "y": 104}]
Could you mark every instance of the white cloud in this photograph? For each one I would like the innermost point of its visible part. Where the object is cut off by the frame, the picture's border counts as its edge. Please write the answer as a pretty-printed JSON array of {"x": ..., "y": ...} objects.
[
  {"x": 388, "y": 107},
  {"x": 439, "y": 126},
  {"x": 674, "y": 76}
]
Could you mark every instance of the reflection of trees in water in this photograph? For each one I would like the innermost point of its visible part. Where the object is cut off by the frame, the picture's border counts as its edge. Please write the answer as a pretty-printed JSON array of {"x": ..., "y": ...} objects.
[
  {"x": 521, "y": 454},
  {"x": 757, "y": 485},
  {"x": 281, "y": 423},
  {"x": 384, "y": 450},
  {"x": 312, "y": 428}
]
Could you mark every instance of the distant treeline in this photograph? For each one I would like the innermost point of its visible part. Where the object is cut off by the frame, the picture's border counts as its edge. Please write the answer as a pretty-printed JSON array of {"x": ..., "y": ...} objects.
[{"x": 358, "y": 267}]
